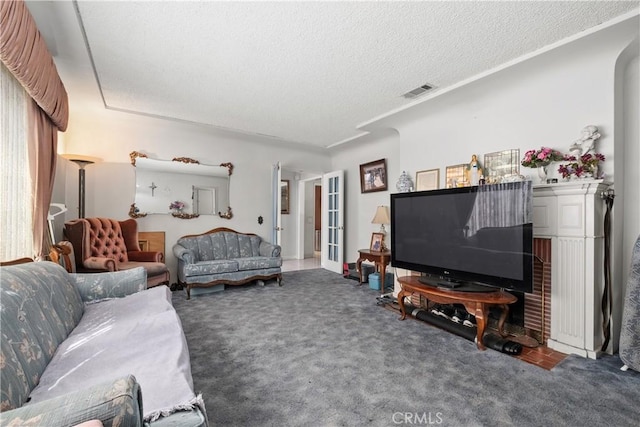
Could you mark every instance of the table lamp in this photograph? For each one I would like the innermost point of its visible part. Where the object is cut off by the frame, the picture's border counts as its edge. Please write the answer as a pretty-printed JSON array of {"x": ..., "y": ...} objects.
[{"x": 382, "y": 217}]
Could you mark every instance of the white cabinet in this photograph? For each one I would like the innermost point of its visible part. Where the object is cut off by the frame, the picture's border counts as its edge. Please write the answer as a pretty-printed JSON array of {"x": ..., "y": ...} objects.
[{"x": 571, "y": 214}]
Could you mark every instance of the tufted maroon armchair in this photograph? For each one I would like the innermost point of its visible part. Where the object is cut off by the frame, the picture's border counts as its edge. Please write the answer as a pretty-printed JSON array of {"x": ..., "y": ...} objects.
[{"x": 103, "y": 244}]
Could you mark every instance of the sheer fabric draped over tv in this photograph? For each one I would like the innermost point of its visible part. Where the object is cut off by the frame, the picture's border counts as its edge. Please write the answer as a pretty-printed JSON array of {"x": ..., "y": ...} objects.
[{"x": 501, "y": 205}]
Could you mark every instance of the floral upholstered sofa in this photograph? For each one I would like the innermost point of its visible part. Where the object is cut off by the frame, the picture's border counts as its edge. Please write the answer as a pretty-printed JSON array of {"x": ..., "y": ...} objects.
[
  {"x": 80, "y": 347},
  {"x": 225, "y": 256}
]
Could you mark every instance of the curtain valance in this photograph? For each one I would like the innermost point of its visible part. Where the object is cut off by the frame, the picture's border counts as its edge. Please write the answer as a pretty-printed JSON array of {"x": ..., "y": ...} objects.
[{"x": 24, "y": 53}]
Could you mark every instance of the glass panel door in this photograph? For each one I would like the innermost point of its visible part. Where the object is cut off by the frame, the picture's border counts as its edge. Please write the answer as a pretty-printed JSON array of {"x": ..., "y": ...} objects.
[{"x": 332, "y": 224}]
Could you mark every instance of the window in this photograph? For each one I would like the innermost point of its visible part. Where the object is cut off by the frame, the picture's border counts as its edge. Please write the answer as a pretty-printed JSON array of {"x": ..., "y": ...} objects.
[{"x": 16, "y": 235}]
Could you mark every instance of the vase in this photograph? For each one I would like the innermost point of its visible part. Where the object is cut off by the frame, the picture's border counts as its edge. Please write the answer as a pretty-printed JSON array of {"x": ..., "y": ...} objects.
[
  {"x": 542, "y": 174},
  {"x": 404, "y": 183}
]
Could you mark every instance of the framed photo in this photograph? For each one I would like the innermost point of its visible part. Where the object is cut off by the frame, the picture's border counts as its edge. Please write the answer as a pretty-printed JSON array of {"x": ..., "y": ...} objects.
[
  {"x": 501, "y": 164},
  {"x": 284, "y": 196},
  {"x": 456, "y": 176},
  {"x": 377, "y": 240},
  {"x": 373, "y": 176},
  {"x": 428, "y": 180}
]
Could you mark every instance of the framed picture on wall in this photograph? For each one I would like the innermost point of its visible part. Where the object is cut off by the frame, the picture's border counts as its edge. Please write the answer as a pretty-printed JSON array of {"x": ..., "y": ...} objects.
[
  {"x": 501, "y": 164},
  {"x": 428, "y": 180},
  {"x": 456, "y": 176},
  {"x": 373, "y": 176}
]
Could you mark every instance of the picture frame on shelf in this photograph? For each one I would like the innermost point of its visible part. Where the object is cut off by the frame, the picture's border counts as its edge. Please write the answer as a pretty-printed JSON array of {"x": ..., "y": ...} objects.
[
  {"x": 373, "y": 176},
  {"x": 500, "y": 164},
  {"x": 284, "y": 196},
  {"x": 456, "y": 176},
  {"x": 428, "y": 180},
  {"x": 377, "y": 242}
]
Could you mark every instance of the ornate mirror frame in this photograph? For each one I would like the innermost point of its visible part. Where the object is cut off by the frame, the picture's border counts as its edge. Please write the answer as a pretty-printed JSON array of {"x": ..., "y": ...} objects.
[{"x": 134, "y": 211}]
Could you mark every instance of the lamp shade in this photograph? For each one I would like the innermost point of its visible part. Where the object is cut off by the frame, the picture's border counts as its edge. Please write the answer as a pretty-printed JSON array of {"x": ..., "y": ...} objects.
[{"x": 381, "y": 216}]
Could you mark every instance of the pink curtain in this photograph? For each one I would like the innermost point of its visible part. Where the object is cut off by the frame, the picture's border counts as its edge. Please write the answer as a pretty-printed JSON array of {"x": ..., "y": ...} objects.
[
  {"x": 42, "y": 149},
  {"x": 25, "y": 54}
]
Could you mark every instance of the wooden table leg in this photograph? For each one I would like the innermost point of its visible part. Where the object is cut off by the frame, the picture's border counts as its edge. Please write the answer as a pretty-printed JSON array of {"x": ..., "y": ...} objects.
[
  {"x": 359, "y": 268},
  {"x": 503, "y": 317},
  {"x": 401, "y": 296},
  {"x": 481, "y": 312},
  {"x": 382, "y": 267}
]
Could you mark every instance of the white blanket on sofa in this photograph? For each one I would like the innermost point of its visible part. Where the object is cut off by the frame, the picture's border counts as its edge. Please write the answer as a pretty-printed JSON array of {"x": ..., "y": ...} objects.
[{"x": 140, "y": 334}]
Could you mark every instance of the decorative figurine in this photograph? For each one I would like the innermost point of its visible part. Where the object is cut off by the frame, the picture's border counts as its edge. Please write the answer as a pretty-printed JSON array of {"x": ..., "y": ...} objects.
[
  {"x": 587, "y": 142},
  {"x": 474, "y": 171}
]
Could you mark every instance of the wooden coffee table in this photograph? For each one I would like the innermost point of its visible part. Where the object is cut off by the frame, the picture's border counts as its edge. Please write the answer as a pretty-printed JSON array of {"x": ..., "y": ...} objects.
[{"x": 476, "y": 303}]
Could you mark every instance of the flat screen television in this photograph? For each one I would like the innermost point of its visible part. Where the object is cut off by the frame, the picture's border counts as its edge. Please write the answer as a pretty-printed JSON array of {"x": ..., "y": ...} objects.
[{"x": 467, "y": 239}]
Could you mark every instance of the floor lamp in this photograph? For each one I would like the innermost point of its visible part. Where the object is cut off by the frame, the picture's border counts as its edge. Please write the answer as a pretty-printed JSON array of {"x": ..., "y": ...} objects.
[{"x": 81, "y": 161}]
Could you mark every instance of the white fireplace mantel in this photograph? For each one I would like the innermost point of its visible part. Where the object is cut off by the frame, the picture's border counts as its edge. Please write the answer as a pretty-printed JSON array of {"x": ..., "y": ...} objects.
[{"x": 571, "y": 214}]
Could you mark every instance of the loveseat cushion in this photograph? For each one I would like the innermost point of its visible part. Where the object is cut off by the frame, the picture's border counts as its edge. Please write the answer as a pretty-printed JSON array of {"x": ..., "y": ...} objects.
[
  {"x": 257, "y": 262},
  {"x": 153, "y": 268},
  {"x": 40, "y": 308},
  {"x": 211, "y": 267},
  {"x": 222, "y": 245}
]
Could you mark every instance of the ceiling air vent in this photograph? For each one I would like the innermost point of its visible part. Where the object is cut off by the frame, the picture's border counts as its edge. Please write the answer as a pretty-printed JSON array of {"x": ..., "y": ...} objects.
[{"x": 418, "y": 91}]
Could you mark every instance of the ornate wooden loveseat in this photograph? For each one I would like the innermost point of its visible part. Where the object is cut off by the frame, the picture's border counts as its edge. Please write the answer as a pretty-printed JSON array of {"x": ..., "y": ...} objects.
[{"x": 225, "y": 256}]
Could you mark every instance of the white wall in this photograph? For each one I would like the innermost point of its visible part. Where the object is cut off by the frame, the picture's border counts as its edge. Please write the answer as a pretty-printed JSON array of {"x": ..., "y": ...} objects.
[
  {"x": 112, "y": 135},
  {"x": 631, "y": 195}
]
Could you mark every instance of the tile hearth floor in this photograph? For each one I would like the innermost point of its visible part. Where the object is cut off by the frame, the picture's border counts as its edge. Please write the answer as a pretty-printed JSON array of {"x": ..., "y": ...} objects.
[{"x": 542, "y": 356}]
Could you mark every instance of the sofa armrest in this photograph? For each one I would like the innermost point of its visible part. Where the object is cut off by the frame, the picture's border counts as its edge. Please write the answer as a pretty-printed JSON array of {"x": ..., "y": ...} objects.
[
  {"x": 97, "y": 263},
  {"x": 94, "y": 287},
  {"x": 117, "y": 403},
  {"x": 145, "y": 256},
  {"x": 184, "y": 254},
  {"x": 267, "y": 249}
]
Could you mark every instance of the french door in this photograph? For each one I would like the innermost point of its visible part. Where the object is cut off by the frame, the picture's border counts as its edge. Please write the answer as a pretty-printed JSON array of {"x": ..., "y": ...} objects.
[{"x": 332, "y": 221}]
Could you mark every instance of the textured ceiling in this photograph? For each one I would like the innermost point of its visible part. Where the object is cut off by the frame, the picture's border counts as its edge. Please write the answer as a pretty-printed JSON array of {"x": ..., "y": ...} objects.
[{"x": 308, "y": 72}]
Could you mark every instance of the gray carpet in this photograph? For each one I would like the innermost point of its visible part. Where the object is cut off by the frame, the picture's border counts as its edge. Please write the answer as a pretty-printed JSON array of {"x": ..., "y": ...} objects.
[{"x": 318, "y": 351}]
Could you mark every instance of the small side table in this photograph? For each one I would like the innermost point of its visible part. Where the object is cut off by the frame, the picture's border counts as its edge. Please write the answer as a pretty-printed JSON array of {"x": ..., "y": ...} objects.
[{"x": 380, "y": 258}]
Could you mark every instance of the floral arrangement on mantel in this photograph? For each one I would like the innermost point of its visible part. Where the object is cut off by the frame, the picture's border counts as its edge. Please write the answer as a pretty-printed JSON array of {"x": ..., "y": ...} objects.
[
  {"x": 584, "y": 166},
  {"x": 177, "y": 205},
  {"x": 542, "y": 157},
  {"x": 583, "y": 162}
]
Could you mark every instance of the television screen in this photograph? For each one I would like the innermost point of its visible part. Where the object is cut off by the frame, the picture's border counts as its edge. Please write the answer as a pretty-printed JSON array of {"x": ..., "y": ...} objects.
[{"x": 471, "y": 235}]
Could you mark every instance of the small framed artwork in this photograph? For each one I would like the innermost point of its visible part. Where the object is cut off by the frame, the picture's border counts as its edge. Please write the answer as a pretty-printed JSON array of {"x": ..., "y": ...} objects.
[
  {"x": 501, "y": 164},
  {"x": 428, "y": 180},
  {"x": 373, "y": 176},
  {"x": 284, "y": 196},
  {"x": 456, "y": 176},
  {"x": 377, "y": 242}
]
